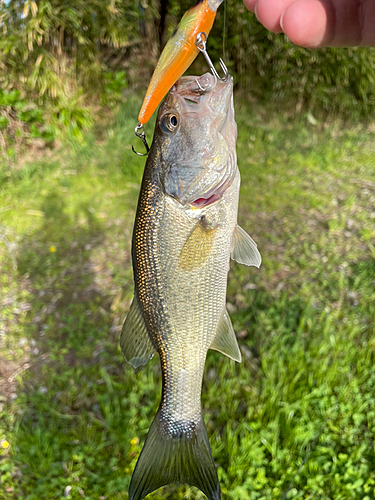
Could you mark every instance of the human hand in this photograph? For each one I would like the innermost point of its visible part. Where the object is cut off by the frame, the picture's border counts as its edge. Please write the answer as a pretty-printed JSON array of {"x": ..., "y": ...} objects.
[{"x": 319, "y": 23}]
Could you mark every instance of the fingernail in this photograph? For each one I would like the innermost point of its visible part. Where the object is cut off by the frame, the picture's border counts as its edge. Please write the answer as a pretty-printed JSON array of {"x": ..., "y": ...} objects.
[
  {"x": 256, "y": 9},
  {"x": 281, "y": 20}
]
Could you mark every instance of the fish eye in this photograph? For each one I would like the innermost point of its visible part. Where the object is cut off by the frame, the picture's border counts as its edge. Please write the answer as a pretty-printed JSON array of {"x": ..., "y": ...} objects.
[{"x": 169, "y": 122}]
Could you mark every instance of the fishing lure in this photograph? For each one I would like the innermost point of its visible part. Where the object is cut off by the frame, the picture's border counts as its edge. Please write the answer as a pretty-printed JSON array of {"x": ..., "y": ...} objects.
[{"x": 180, "y": 51}]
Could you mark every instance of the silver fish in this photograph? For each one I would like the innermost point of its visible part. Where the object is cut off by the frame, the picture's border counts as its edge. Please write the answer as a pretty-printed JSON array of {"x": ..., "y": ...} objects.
[{"x": 185, "y": 232}]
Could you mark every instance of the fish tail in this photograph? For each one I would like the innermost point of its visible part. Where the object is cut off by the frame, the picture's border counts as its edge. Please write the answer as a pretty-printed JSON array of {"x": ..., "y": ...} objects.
[{"x": 180, "y": 455}]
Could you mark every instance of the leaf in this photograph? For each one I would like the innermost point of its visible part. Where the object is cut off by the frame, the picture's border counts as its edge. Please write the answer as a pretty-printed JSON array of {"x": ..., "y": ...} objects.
[
  {"x": 25, "y": 12},
  {"x": 39, "y": 60},
  {"x": 311, "y": 119},
  {"x": 3, "y": 122},
  {"x": 34, "y": 8}
]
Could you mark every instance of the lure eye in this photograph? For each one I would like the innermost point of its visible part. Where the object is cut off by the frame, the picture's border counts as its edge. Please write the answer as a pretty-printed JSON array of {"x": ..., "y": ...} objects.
[{"x": 169, "y": 123}]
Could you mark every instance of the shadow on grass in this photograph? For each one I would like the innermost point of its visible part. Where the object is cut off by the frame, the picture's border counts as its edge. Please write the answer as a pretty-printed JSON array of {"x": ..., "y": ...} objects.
[
  {"x": 57, "y": 262},
  {"x": 69, "y": 408}
]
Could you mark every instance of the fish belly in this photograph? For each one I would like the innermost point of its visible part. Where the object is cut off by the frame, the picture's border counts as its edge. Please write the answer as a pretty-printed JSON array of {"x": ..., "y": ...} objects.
[{"x": 192, "y": 300}]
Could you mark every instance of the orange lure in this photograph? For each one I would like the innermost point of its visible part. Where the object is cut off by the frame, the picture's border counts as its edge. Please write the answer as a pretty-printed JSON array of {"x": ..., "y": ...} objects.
[{"x": 179, "y": 52}]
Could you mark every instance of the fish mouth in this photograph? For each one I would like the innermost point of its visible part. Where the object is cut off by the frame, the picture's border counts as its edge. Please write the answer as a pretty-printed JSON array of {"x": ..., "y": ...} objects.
[
  {"x": 192, "y": 91},
  {"x": 229, "y": 133},
  {"x": 205, "y": 202},
  {"x": 203, "y": 163},
  {"x": 212, "y": 197},
  {"x": 192, "y": 87}
]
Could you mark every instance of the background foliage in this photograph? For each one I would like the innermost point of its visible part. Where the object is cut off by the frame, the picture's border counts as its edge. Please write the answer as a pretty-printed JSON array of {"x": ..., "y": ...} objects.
[
  {"x": 50, "y": 48},
  {"x": 296, "y": 419},
  {"x": 67, "y": 58}
]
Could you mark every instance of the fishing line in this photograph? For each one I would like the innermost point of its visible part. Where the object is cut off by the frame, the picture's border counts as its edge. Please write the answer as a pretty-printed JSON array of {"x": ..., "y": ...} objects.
[{"x": 225, "y": 31}]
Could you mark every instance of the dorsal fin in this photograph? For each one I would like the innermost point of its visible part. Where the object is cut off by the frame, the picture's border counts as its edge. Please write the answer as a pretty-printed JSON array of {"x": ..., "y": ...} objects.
[
  {"x": 245, "y": 249},
  {"x": 225, "y": 339}
]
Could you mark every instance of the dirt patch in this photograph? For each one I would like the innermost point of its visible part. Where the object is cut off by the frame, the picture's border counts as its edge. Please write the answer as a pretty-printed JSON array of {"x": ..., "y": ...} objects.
[{"x": 8, "y": 372}]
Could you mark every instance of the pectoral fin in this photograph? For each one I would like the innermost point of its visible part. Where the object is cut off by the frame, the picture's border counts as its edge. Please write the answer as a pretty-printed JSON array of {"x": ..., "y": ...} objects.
[
  {"x": 136, "y": 345},
  {"x": 245, "y": 249},
  {"x": 225, "y": 339},
  {"x": 197, "y": 247}
]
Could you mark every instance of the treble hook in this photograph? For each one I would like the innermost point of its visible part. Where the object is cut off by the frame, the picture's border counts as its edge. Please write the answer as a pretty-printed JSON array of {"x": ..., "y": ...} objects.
[
  {"x": 142, "y": 136},
  {"x": 201, "y": 46},
  {"x": 202, "y": 89}
]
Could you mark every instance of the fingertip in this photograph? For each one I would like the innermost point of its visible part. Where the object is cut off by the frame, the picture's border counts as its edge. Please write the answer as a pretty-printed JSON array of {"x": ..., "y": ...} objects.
[
  {"x": 305, "y": 23},
  {"x": 268, "y": 12},
  {"x": 250, "y": 4}
]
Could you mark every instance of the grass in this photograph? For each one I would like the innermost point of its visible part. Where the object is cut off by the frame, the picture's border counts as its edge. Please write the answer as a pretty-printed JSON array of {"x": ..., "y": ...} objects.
[{"x": 295, "y": 420}]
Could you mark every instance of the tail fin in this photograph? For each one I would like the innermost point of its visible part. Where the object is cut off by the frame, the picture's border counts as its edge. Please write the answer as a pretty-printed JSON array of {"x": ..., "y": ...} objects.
[{"x": 182, "y": 457}]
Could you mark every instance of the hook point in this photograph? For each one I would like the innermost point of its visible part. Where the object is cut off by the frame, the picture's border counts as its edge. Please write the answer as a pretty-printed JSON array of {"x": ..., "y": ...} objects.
[{"x": 200, "y": 42}]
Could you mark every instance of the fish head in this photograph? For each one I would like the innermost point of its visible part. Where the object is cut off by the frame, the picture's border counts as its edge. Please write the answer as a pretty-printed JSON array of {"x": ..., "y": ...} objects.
[{"x": 196, "y": 140}]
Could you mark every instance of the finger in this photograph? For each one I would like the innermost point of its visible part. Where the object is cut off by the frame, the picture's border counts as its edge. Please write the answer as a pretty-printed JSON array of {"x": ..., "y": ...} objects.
[
  {"x": 314, "y": 23},
  {"x": 335, "y": 23},
  {"x": 351, "y": 23},
  {"x": 250, "y": 4},
  {"x": 269, "y": 13},
  {"x": 368, "y": 29},
  {"x": 305, "y": 23}
]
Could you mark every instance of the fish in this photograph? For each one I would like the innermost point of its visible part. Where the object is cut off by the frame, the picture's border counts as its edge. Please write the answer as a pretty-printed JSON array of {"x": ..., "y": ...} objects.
[
  {"x": 178, "y": 54},
  {"x": 185, "y": 233}
]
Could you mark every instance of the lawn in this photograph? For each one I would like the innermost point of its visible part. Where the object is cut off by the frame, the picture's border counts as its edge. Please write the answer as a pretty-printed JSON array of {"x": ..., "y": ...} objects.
[{"x": 296, "y": 419}]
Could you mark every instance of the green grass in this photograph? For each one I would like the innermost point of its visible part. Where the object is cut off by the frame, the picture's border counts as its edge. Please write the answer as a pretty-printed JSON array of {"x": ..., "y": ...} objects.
[{"x": 295, "y": 420}]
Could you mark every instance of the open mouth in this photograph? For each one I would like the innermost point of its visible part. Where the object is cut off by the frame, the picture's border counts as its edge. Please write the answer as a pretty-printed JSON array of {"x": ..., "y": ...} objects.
[
  {"x": 213, "y": 197},
  {"x": 193, "y": 86},
  {"x": 205, "y": 202},
  {"x": 195, "y": 93},
  {"x": 215, "y": 194}
]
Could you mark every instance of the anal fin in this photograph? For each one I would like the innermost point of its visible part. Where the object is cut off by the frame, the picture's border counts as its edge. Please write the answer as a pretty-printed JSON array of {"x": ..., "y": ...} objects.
[
  {"x": 135, "y": 342},
  {"x": 225, "y": 339},
  {"x": 245, "y": 249}
]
